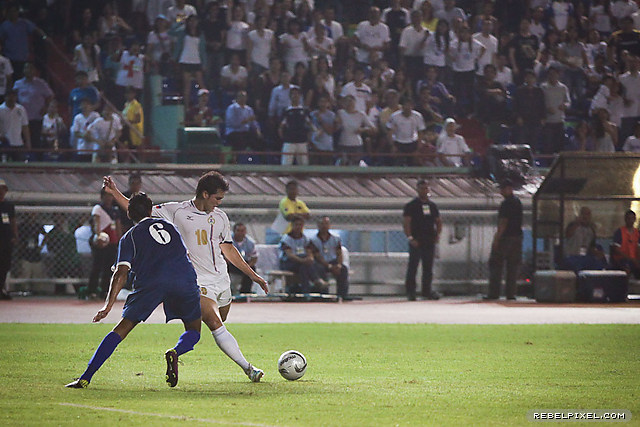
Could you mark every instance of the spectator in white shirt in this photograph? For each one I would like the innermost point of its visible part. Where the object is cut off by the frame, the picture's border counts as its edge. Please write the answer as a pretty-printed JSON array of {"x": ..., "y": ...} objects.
[
  {"x": 53, "y": 127},
  {"x": 14, "y": 125},
  {"x": 320, "y": 44},
  {"x": 105, "y": 131},
  {"x": 632, "y": 144},
  {"x": 6, "y": 74},
  {"x": 294, "y": 47},
  {"x": 360, "y": 91},
  {"x": 537, "y": 27},
  {"x": 557, "y": 100},
  {"x": 630, "y": 81},
  {"x": 437, "y": 48},
  {"x": 190, "y": 48},
  {"x": 412, "y": 43},
  {"x": 353, "y": 124},
  {"x": 79, "y": 139},
  {"x": 335, "y": 28},
  {"x": 179, "y": 13},
  {"x": 465, "y": 52},
  {"x": 371, "y": 38},
  {"x": 233, "y": 76},
  {"x": 504, "y": 74},
  {"x": 237, "y": 35},
  {"x": 622, "y": 8},
  {"x": 452, "y": 149},
  {"x": 405, "y": 130},
  {"x": 490, "y": 43},
  {"x": 261, "y": 43},
  {"x": 560, "y": 10}
]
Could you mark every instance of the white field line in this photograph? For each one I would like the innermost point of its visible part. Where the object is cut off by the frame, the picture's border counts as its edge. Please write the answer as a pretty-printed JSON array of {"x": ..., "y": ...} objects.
[{"x": 172, "y": 417}]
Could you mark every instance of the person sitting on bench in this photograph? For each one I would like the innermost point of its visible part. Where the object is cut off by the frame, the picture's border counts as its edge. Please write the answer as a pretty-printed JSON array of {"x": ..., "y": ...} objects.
[
  {"x": 624, "y": 249},
  {"x": 296, "y": 255}
]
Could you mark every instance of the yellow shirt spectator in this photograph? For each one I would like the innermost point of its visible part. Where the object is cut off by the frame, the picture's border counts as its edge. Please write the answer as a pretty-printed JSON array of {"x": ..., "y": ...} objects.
[
  {"x": 288, "y": 207},
  {"x": 134, "y": 114}
]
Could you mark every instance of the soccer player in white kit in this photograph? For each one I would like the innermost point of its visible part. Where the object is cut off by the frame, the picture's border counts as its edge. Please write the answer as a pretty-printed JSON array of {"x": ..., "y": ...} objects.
[{"x": 206, "y": 232}]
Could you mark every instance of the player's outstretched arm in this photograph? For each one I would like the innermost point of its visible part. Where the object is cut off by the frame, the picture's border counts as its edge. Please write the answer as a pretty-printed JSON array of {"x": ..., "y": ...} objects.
[
  {"x": 110, "y": 186},
  {"x": 118, "y": 280},
  {"x": 231, "y": 253}
]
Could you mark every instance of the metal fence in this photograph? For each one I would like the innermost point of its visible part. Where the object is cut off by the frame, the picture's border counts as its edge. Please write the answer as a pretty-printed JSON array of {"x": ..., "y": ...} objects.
[{"x": 54, "y": 246}]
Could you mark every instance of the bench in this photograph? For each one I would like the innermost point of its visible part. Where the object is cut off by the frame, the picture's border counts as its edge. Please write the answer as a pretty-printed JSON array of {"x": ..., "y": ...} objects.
[{"x": 268, "y": 266}]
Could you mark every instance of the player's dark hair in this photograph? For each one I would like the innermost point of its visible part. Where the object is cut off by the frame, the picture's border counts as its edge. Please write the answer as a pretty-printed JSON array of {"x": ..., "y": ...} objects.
[
  {"x": 291, "y": 183},
  {"x": 629, "y": 212},
  {"x": 139, "y": 207},
  {"x": 236, "y": 225},
  {"x": 211, "y": 182},
  {"x": 422, "y": 181},
  {"x": 134, "y": 176}
]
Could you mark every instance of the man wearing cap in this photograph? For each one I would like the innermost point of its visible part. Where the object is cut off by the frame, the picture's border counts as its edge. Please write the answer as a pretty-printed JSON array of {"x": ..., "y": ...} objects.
[
  {"x": 507, "y": 244},
  {"x": 8, "y": 237},
  {"x": 452, "y": 148},
  {"x": 14, "y": 125},
  {"x": 201, "y": 115}
]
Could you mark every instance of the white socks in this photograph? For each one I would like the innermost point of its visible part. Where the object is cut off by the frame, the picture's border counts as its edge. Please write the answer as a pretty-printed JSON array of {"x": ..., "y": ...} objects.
[{"x": 229, "y": 346}]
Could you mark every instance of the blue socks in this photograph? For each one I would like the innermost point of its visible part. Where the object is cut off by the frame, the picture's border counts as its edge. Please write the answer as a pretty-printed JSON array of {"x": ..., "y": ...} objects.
[
  {"x": 186, "y": 342},
  {"x": 109, "y": 343},
  {"x": 105, "y": 349}
]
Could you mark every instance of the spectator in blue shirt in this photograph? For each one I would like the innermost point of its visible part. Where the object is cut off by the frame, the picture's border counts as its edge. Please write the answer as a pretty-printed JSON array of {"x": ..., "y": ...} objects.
[
  {"x": 247, "y": 248},
  {"x": 280, "y": 100},
  {"x": 241, "y": 125},
  {"x": 83, "y": 90},
  {"x": 34, "y": 95},
  {"x": 296, "y": 255},
  {"x": 15, "y": 32},
  {"x": 325, "y": 123},
  {"x": 327, "y": 249}
]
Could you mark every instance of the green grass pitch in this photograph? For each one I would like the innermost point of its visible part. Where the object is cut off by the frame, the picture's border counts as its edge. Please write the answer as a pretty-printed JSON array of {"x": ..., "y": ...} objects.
[{"x": 358, "y": 375}]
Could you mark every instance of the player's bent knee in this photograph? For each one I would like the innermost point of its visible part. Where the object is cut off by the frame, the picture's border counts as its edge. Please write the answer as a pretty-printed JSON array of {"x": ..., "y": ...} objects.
[
  {"x": 212, "y": 320},
  {"x": 194, "y": 325},
  {"x": 224, "y": 312},
  {"x": 124, "y": 327}
]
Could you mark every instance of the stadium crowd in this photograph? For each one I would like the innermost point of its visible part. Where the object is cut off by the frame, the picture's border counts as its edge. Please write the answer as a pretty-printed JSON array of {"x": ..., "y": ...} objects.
[{"x": 324, "y": 81}]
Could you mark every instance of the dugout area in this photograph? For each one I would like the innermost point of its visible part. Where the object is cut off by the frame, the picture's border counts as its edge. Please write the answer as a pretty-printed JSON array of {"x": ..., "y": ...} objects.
[{"x": 609, "y": 184}]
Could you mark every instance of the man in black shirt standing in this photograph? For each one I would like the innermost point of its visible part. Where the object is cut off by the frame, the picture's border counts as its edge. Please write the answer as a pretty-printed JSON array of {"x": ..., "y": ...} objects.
[
  {"x": 507, "y": 244},
  {"x": 523, "y": 51},
  {"x": 294, "y": 131},
  {"x": 627, "y": 38},
  {"x": 422, "y": 226},
  {"x": 8, "y": 237}
]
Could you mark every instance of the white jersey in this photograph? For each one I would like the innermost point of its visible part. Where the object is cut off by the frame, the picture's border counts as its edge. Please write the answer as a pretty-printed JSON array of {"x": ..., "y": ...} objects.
[{"x": 202, "y": 234}]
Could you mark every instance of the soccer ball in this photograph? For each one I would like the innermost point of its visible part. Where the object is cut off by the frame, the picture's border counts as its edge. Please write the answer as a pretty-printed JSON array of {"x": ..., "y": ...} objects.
[{"x": 292, "y": 365}]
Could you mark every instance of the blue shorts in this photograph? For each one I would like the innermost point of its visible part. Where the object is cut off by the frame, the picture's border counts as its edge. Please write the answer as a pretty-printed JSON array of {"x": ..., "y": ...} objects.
[{"x": 180, "y": 302}]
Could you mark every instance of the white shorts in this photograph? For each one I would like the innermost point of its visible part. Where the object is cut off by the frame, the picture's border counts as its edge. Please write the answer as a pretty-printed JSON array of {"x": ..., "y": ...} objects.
[{"x": 221, "y": 297}]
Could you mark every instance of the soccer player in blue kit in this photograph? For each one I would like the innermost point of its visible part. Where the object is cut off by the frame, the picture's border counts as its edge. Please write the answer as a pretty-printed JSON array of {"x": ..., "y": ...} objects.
[{"x": 154, "y": 251}]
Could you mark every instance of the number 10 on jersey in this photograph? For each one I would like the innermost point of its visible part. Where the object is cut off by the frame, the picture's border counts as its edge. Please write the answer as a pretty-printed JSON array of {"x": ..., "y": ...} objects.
[{"x": 201, "y": 235}]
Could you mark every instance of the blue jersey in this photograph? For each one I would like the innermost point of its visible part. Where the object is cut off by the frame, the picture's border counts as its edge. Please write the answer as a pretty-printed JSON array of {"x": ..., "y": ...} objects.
[{"x": 156, "y": 254}]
